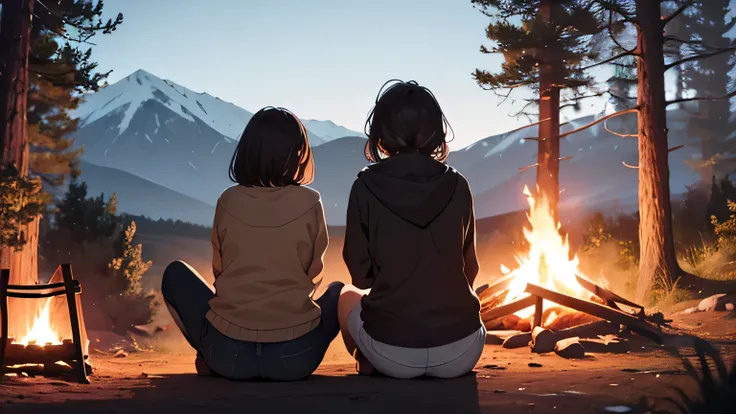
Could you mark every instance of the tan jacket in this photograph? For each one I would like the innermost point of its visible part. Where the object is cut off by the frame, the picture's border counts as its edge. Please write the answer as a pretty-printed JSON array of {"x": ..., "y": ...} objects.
[{"x": 268, "y": 244}]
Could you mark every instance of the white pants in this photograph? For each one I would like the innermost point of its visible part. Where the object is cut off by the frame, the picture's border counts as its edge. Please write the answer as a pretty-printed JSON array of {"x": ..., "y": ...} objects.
[{"x": 447, "y": 361}]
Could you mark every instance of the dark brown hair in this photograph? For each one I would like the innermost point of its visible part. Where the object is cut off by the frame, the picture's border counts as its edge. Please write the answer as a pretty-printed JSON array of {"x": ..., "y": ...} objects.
[
  {"x": 273, "y": 151},
  {"x": 406, "y": 118}
]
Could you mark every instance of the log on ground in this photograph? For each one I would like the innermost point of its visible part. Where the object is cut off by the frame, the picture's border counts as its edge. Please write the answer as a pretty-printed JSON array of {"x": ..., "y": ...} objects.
[{"x": 636, "y": 325}]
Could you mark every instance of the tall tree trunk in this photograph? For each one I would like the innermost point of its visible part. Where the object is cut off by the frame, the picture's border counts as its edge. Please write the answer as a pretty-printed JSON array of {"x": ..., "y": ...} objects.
[
  {"x": 548, "y": 149},
  {"x": 657, "y": 251},
  {"x": 15, "y": 33}
]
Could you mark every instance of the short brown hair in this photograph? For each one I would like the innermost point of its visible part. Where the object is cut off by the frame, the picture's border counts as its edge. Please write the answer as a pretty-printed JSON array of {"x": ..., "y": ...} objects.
[{"x": 273, "y": 151}]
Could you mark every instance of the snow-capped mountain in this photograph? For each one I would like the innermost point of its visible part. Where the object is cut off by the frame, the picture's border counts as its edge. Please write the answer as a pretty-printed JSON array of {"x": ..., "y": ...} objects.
[
  {"x": 181, "y": 140},
  {"x": 127, "y": 96}
]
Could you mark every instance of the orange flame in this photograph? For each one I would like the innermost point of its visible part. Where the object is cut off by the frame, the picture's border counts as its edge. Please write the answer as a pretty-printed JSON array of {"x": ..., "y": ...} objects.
[
  {"x": 41, "y": 332},
  {"x": 547, "y": 263}
]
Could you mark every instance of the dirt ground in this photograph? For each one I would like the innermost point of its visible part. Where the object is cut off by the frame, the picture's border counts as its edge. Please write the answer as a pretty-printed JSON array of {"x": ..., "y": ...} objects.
[{"x": 163, "y": 381}]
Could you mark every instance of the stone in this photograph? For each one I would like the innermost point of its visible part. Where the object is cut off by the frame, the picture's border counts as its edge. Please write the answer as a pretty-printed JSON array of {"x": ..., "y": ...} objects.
[
  {"x": 570, "y": 348},
  {"x": 543, "y": 340},
  {"x": 518, "y": 341},
  {"x": 717, "y": 302}
]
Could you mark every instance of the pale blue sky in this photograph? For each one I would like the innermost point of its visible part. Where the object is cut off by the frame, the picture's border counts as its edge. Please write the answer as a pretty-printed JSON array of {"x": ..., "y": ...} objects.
[{"x": 323, "y": 59}]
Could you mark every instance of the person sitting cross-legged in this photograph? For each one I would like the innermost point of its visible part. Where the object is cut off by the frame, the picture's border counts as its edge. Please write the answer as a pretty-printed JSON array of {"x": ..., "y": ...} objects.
[{"x": 260, "y": 320}]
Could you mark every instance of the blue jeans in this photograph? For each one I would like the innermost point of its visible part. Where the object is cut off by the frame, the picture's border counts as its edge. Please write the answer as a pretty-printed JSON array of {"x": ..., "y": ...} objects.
[{"x": 187, "y": 296}]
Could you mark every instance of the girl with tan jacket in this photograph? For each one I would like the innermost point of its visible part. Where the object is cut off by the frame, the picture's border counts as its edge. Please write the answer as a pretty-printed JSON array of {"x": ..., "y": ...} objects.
[{"x": 268, "y": 238}]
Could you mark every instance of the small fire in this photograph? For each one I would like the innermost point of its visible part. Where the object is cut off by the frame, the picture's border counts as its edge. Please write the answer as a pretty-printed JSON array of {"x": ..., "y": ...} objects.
[
  {"x": 547, "y": 263},
  {"x": 41, "y": 332}
]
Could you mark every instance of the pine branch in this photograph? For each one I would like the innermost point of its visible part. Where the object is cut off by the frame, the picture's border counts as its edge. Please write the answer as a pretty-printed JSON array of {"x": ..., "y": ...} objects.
[
  {"x": 609, "y": 116},
  {"x": 698, "y": 57},
  {"x": 633, "y": 167},
  {"x": 526, "y": 126},
  {"x": 678, "y": 12},
  {"x": 609, "y": 60},
  {"x": 669, "y": 38},
  {"x": 705, "y": 98},
  {"x": 605, "y": 126}
]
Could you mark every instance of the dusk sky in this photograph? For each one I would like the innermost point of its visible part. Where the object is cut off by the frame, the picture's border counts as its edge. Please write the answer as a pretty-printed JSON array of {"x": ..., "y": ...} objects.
[{"x": 323, "y": 59}]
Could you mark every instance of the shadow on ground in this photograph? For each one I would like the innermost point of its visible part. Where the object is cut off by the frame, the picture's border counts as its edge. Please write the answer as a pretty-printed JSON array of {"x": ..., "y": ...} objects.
[{"x": 188, "y": 393}]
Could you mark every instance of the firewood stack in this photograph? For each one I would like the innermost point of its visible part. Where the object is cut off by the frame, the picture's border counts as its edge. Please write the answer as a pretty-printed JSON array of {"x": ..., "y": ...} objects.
[{"x": 599, "y": 318}]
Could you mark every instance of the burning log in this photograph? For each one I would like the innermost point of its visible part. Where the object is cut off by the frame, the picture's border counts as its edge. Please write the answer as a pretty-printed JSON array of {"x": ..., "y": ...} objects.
[
  {"x": 508, "y": 308},
  {"x": 567, "y": 318},
  {"x": 504, "y": 323},
  {"x": 36, "y": 354},
  {"x": 488, "y": 292},
  {"x": 493, "y": 301},
  {"x": 605, "y": 294},
  {"x": 637, "y": 325},
  {"x": 524, "y": 325},
  {"x": 589, "y": 330}
]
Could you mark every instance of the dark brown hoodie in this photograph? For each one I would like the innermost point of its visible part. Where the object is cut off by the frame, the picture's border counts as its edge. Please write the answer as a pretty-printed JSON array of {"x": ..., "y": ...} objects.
[{"x": 410, "y": 238}]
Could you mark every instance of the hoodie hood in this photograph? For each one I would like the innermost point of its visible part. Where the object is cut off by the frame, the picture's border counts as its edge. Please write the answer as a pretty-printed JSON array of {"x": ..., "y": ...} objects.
[
  {"x": 268, "y": 206},
  {"x": 415, "y": 187}
]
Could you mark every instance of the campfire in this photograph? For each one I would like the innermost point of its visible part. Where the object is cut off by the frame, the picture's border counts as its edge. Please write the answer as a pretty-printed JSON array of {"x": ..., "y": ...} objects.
[
  {"x": 41, "y": 331},
  {"x": 546, "y": 294},
  {"x": 55, "y": 337}
]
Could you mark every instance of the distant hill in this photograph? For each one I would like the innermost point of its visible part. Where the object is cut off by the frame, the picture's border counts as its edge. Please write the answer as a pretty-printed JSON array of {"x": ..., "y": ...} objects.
[{"x": 138, "y": 196}]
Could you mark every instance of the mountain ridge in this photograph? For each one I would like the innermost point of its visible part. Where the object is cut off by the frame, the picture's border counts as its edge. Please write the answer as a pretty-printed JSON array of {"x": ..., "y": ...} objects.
[
  {"x": 160, "y": 143},
  {"x": 128, "y": 94}
]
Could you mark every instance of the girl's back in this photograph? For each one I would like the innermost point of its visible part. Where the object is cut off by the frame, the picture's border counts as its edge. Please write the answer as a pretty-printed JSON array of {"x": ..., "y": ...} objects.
[
  {"x": 266, "y": 239},
  {"x": 416, "y": 234}
]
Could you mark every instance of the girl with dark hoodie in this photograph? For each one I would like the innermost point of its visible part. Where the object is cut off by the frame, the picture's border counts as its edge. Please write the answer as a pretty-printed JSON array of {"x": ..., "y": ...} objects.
[
  {"x": 410, "y": 239},
  {"x": 268, "y": 240}
]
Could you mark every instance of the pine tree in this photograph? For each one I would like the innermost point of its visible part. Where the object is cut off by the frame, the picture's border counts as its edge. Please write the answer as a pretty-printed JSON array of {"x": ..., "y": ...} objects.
[
  {"x": 61, "y": 70},
  {"x": 39, "y": 83},
  {"x": 543, "y": 44},
  {"x": 88, "y": 232},
  {"x": 657, "y": 248},
  {"x": 20, "y": 193},
  {"x": 710, "y": 23},
  {"x": 128, "y": 294}
]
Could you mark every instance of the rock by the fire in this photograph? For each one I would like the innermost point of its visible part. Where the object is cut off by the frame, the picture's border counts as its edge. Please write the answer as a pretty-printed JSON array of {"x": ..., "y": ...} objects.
[
  {"x": 717, "y": 302},
  {"x": 518, "y": 341},
  {"x": 543, "y": 341},
  {"x": 121, "y": 354},
  {"x": 570, "y": 348},
  {"x": 481, "y": 289}
]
